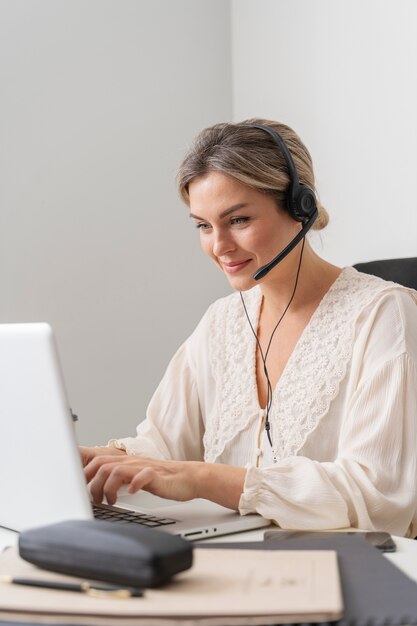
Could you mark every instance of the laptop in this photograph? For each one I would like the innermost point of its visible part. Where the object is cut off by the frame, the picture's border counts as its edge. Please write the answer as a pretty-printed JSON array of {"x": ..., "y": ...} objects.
[{"x": 42, "y": 479}]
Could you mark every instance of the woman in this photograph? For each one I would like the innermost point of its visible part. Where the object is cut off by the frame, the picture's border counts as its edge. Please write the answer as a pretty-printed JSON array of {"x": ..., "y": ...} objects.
[{"x": 296, "y": 396}]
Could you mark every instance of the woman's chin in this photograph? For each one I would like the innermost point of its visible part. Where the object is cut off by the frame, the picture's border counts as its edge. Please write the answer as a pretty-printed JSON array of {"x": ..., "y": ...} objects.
[{"x": 242, "y": 283}]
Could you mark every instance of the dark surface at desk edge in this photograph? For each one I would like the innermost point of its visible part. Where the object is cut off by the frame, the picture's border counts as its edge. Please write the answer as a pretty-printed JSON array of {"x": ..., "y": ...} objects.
[{"x": 375, "y": 591}]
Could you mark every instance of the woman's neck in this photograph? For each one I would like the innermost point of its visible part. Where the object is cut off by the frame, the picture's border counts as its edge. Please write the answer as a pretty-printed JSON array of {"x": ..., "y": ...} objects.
[{"x": 315, "y": 278}]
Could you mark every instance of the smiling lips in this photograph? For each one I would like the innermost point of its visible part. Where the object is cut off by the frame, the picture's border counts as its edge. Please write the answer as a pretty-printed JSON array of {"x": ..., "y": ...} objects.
[{"x": 236, "y": 266}]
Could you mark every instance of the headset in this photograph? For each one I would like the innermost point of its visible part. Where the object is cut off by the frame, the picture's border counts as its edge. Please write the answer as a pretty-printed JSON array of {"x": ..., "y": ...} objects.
[{"x": 300, "y": 202}]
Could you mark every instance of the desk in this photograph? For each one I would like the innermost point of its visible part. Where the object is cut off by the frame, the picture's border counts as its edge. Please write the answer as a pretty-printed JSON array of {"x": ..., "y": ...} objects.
[
  {"x": 405, "y": 558},
  {"x": 364, "y": 574}
]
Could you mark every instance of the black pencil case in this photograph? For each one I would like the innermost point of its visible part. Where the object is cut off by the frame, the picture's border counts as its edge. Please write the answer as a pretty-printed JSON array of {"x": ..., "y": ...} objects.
[{"x": 121, "y": 554}]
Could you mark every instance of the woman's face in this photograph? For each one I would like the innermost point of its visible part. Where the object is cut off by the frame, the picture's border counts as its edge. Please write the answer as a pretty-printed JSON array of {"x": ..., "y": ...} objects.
[{"x": 240, "y": 228}]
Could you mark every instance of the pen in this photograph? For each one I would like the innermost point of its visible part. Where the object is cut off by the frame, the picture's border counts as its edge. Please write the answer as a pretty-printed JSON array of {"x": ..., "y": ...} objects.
[{"x": 92, "y": 589}]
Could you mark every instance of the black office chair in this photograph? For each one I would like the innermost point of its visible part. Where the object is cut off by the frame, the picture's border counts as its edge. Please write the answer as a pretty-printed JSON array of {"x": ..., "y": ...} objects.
[{"x": 402, "y": 271}]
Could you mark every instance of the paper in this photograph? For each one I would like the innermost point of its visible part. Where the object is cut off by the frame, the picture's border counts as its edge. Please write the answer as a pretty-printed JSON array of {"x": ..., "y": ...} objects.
[{"x": 234, "y": 585}]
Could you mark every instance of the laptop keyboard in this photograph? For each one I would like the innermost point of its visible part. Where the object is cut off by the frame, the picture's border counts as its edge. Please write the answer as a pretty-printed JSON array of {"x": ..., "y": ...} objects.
[{"x": 124, "y": 516}]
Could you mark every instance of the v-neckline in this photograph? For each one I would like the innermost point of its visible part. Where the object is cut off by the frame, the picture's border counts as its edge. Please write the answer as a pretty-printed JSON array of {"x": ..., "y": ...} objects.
[{"x": 296, "y": 349}]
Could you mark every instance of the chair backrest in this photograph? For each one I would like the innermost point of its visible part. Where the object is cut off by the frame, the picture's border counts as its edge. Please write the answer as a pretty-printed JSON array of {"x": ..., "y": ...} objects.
[{"x": 402, "y": 271}]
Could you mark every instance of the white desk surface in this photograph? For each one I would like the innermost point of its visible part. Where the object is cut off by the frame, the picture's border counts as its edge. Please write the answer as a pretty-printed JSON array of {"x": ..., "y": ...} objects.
[{"x": 405, "y": 557}]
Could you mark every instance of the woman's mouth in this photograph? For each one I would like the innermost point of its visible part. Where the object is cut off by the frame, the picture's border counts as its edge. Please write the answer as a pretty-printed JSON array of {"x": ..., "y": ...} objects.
[{"x": 235, "y": 266}]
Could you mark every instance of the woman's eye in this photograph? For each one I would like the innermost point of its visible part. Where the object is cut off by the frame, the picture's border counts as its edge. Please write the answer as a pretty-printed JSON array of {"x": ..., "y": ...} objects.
[
  {"x": 239, "y": 220},
  {"x": 202, "y": 226}
]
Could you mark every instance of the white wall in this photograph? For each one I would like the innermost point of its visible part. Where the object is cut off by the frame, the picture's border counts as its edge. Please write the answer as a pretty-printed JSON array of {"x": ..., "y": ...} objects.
[
  {"x": 99, "y": 99},
  {"x": 343, "y": 73}
]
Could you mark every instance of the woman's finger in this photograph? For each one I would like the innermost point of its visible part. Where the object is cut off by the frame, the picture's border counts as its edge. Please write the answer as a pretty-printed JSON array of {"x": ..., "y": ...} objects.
[
  {"x": 115, "y": 477},
  {"x": 142, "y": 479},
  {"x": 93, "y": 466}
]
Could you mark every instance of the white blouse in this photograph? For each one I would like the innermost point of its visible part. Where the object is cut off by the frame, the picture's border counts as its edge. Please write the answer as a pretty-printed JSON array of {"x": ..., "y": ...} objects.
[{"x": 343, "y": 417}]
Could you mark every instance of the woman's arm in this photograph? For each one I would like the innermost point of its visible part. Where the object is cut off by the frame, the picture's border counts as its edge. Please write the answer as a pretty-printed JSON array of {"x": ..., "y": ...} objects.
[
  {"x": 175, "y": 480},
  {"x": 372, "y": 484}
]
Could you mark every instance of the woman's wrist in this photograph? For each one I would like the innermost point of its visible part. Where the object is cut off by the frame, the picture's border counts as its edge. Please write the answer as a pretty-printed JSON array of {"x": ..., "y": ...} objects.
[{"x": 219, "y": 483}]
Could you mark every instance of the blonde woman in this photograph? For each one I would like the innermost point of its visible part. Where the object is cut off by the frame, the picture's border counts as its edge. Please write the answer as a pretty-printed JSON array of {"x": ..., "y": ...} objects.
[{"x": 296, "y": 396}]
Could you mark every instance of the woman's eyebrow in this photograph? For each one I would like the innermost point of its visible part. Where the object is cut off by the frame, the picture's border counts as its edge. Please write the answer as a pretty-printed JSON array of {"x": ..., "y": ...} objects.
[{"x": 235, "y": 207}]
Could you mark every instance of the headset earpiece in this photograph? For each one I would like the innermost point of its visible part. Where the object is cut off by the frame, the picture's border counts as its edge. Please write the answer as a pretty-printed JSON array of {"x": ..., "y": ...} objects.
[
  {"x": 303, "y": 205},
  {"x": 300, "y": 199}
]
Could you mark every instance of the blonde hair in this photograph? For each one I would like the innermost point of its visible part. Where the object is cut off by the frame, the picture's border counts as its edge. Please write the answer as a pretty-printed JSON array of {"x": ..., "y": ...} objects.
[{"x": 252, "y": 157}]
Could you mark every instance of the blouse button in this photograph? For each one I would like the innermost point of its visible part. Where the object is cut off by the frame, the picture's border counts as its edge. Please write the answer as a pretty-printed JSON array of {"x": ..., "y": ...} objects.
[{"x": 258, "y": 452}]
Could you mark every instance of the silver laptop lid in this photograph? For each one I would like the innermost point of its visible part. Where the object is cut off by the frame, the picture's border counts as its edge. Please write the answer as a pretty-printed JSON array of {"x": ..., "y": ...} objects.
[{"x": 40, "y": 473}]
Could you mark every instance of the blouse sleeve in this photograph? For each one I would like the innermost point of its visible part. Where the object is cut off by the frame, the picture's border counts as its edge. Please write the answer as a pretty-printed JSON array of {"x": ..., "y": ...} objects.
[
  {"x": 173, "y": 428},
  {"x": 373, "y": 480}
]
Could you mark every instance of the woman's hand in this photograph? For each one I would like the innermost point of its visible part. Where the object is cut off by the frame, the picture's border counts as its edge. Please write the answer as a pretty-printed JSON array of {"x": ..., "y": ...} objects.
[
  {"x": 87, "y": 453},
  {"x": 169, "y": 479},
  {"x": 175, "y": 480}
]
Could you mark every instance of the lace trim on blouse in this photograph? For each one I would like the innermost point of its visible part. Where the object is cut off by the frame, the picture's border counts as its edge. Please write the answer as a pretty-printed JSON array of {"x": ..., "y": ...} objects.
[{"x": 311, "y": 378}]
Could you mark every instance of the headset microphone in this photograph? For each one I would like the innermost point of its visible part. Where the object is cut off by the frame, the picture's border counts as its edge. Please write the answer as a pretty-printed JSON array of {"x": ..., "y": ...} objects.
[
  {"x": 263, "y": 271},
  {"x": 300, "y": 203}
]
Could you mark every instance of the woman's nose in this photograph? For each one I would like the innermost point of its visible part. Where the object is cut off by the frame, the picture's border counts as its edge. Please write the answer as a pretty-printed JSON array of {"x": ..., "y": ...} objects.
[{"x": 222, "y": 243}]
